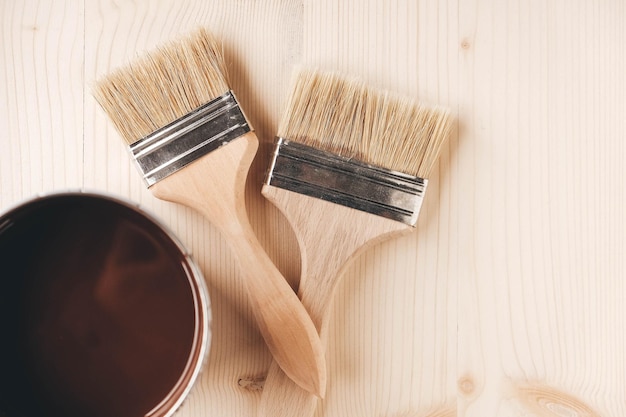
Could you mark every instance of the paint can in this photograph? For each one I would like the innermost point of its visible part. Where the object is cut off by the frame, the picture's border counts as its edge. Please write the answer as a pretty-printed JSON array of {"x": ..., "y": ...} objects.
[{"x": 102, "y": 311}]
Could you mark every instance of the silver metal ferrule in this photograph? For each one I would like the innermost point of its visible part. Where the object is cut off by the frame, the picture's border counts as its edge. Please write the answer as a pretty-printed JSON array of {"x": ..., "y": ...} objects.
[
  {"x": 327, "y": 176},
  {"x": 172, "y": 147}
]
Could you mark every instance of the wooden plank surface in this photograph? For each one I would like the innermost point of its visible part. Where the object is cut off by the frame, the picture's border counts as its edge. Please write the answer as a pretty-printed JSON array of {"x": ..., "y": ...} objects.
[{"x": 508, "y": 300}]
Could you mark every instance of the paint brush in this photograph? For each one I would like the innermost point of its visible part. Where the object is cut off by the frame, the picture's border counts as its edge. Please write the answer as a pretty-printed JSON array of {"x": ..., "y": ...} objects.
[
  {"x": 349, "y": 170},
  {"x": 193, "y": 145}
]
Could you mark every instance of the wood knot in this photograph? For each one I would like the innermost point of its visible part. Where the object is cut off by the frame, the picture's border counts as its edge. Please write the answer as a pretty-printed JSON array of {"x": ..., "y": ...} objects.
[
  {"x": 466, "y": 385},
  {"x": 465, "y": 44},
  {"x": 251, "y": 383},
  {"x": 550, "y": 402}
]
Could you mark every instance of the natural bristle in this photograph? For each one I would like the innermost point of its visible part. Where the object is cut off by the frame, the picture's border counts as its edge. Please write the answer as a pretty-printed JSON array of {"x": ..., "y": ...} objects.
[
  {"x": 346, "y": 117},
  {"x": 163, "y": 85}
]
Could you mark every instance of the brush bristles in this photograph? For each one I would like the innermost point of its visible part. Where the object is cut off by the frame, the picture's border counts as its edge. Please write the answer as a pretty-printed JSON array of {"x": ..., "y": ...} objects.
[
  {"x": 163, "y": 85},
  {"x": 347, "y": 118}
]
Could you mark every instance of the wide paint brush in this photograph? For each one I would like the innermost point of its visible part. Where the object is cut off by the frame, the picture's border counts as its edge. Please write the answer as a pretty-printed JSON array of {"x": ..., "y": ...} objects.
[
  {"x": 193, "y": 145},
  {"x": 349, "y": 171}
]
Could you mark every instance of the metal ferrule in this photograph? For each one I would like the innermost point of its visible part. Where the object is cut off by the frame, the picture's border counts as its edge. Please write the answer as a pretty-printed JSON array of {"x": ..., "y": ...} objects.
[
  {"x": 172, "y": 147},
  {"x": 327, "y": 176}
]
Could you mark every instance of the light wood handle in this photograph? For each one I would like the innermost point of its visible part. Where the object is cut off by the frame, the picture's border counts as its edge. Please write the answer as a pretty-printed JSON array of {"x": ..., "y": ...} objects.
[
  {"x": 330, "y": 236},
  {"x": 215, "y": 186}
]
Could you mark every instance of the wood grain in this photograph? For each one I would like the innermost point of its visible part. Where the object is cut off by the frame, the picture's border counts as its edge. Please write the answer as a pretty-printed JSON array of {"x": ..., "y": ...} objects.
[
  {"x": 41, "y": 125},
  {"x": 544, "y": 225},
  {"x": 509, "y": 298}
]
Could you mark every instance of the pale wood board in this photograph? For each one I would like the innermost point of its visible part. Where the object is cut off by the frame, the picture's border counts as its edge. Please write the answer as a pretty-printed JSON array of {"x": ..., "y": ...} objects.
[{"x": 508, "y": 300}]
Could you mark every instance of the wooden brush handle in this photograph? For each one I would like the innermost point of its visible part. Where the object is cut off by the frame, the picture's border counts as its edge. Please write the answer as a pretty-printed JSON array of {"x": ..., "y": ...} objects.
[
  {"x": 215, "y": 186},
  {"x": 330, "y": 236}
]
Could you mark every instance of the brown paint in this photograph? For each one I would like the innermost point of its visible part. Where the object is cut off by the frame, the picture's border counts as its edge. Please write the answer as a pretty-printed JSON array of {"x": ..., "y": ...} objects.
[{"x": 97, "y": 313}]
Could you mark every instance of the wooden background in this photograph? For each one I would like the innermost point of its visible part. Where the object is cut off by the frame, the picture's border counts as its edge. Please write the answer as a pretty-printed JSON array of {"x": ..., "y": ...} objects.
[{"x": 508, "y": 300}]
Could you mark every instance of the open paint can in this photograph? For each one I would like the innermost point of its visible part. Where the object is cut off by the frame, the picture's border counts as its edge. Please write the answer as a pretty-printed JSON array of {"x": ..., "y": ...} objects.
[{"x": 102, "y": 311}]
